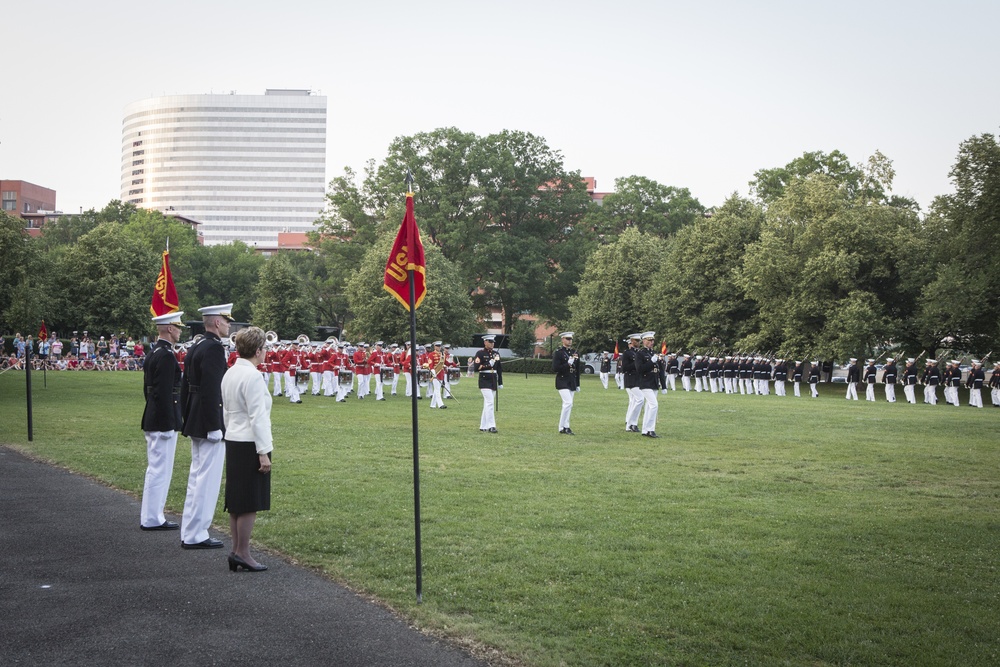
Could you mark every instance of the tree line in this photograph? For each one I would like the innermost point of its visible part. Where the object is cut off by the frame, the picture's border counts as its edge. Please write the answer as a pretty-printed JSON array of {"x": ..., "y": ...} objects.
[{"x": 819, "y": 259}]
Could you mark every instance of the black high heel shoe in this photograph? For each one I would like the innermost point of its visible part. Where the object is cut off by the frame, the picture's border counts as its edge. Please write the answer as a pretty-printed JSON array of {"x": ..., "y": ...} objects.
[{"x": 235, "y": 562}]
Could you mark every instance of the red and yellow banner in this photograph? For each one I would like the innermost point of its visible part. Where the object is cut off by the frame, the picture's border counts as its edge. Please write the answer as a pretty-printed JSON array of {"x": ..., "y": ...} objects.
[
  {"x": 164, "y": 292},
  {"x": 43, "y": 333},
  {"x": 407, "y": 255}
]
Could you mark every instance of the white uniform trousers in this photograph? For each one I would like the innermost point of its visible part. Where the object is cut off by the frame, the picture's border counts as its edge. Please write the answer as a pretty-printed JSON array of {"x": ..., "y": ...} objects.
[
  {"x": 204, "y": 481},
  {"x": 291, "y": 388},
  {"x": 317, "y": 381},
  {"x": 378, "y": 387},
  {"x": 852, "y": 391},
  {"x": 930, "y": 394},
  {"x": 329, "y": 388},
  {"x": 446, "y": 391},
  {"x": 995, "y": 396},
  {"x": 795, "y": 389},
  {"x": 890, "y": 393},
  {"x": 604, "y": 380},
  {"x": 779, "y": 387},
  {"x": 651, "y": 410},
  {"x": 947, "y": 394},
  {"x": 395, "y": 382},
  {"x": 672, "y": 381},
  {"x": 814, "y": 388},
  {"x": 409, "y": 385},
  {"x": 567, "y": 408},
  {"x": 749, "y": 385},
  {"x": 686, "y": 382},
  {"x": 976, "y": 398},
  {"x": 342, "y": 388},
  {"x": 619, "y": 380},
  {"x": 910, "y": 393},
  {"x": 488, "y": 418},
  {"x": 869, "y": 392},
  {"x": 160, "y": 448},
  {"x": 699, "y": 383},
  {"x": 277, "y": 383},
  {"x": 363, "y": 385},
  {"x": 635, "y": 401},
  {"x": 435, "y": 392}
]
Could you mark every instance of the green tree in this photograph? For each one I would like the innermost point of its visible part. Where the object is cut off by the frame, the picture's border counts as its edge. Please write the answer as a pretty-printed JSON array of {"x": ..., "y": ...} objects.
[
  {"x": 223, "y": 274},
  {"x": 281, "y": 304},
  {"x": 615, "y": 290},
  {"x": 445, "y": 313},
  {"x": 640, "y": 202},
  {"x": 960, "y": 304},
  {"x": 769, "y": 184},
  {"x": 104, "y": 283},
  {"x": 698, "y": 303},
  {"x": 152, "y": 229},
  {"x": 522, "y": 338},
  {"x": 23, "y": 297}
]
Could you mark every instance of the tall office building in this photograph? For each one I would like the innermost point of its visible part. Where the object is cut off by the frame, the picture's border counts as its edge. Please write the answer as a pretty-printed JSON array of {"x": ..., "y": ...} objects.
[{"x": 245, "y": 167}]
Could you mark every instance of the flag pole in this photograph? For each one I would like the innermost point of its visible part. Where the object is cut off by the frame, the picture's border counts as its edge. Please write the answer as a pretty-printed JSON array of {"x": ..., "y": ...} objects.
[{"x": 413, "y": 404}]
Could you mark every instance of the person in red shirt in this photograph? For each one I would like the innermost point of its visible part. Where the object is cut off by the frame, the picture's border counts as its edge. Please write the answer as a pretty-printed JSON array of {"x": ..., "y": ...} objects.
[
  {"x": 362, "y": 370},
  {"x": 406, "y": 367},
  {"x": 276, "y": 364},
  {"x": 329, "y": 366},
  {"x": 344, "y": 363},
  {"x": 317, "y": 357},
  {"x": 377, "y": 360},
  {"x": 293, "y": 362},
  {"x": 396, "y": 359},
  {"x": 435, "y": 361}
]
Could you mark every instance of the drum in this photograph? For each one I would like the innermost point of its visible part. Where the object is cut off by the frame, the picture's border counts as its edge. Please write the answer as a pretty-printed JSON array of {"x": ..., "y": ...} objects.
[
  {"x": 302, "y": 380},
  {"x": 454, "y": 374},
  {"x": 423, "y": 376},
  {"x": 345, "y": 377},
  {"x": 386, "y": 373}
]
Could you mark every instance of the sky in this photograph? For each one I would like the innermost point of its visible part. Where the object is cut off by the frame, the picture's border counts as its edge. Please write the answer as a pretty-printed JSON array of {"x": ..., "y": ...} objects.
[{"x": 690, "y": 94}]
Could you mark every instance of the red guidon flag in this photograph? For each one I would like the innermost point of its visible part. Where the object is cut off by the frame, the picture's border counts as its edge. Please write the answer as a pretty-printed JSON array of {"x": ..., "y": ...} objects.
[
  {"x": 164, "y": 292},
  {"x": 43, "y": 333},
  {"x": 407, "y": 255}
]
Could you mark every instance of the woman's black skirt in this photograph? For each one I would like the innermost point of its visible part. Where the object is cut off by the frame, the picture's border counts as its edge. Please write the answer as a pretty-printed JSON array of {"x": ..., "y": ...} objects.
[{"x": 247, "y": 489}]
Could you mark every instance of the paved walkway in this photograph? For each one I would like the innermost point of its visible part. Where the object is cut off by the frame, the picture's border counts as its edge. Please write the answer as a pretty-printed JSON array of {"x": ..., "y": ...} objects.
[{"x": 80, "y": 584}]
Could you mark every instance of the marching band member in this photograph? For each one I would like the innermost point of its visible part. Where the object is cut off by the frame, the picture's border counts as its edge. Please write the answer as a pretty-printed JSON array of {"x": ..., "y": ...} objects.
[
  {"x": 397, "y": 358},
  {"x": 565, "y": 363},
  {"x": 975, "y": 383},
  {"x": 343, "y": 363},
  {"x": 487, "y": 362},
  {"x": 377, "y": 359},
  {"x": 870, "y": 375},
  {"x": 361, "y": 370},
  {"x": 292, "y": 362},
  {"x": 276, "y": 366},
  {"x": 406, "y": 366},
  {"x": 449, "y": 362},
  {"x": 889, "y": 379},
  {"x": 635, "y": 398},
  {"x": 650, "y": 380},
  {"x": 316, "y": 357},
  {"x": 330, "y": 369},
  {"x": 435, "y": 362}
]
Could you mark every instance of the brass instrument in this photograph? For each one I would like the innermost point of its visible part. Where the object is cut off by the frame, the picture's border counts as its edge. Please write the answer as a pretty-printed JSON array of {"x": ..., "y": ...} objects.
[
  {"x": 270, "y": 338},
  {"x": 302, "y": 339}
]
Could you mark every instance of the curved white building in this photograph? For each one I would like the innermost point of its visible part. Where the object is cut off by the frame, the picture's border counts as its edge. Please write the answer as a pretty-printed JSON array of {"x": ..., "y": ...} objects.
[{"x": 246, "y": 167}]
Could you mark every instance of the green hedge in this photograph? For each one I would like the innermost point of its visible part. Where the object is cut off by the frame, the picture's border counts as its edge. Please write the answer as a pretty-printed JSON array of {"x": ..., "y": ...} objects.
[{"x": 531, "y": 366}]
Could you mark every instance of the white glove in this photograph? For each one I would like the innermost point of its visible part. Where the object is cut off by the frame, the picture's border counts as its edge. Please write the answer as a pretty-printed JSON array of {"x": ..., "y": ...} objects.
[
  {"x": 214, "y": 436},
  {"x": 500, "y": 387},
  {"x": 655, "y": 358}
]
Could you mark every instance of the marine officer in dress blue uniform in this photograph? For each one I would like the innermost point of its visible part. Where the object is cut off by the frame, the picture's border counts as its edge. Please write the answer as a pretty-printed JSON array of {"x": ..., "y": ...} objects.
[{"x": 566, "y": 364}]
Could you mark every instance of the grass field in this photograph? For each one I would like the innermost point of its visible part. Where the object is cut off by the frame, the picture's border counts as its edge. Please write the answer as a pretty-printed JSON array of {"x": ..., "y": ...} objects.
[{"x": 756, "y": 531}]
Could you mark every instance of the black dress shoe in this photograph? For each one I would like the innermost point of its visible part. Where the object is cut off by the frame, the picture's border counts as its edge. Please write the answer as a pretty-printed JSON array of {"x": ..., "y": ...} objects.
[
  {"x": 566, "y": 431},
  {"x": 443, "y": 407},
  {"x": 493, "y": 429},
  {"x": 207, "y": 544},
  {"x": 166, "y": 525},
  {"x": 235, "y": 562},
  {"x": 651, "y": 434}
]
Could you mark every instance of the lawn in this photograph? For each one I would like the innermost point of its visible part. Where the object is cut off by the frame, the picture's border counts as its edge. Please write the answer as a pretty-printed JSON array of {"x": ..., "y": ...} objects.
[{"x": 757, "y": 530}]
